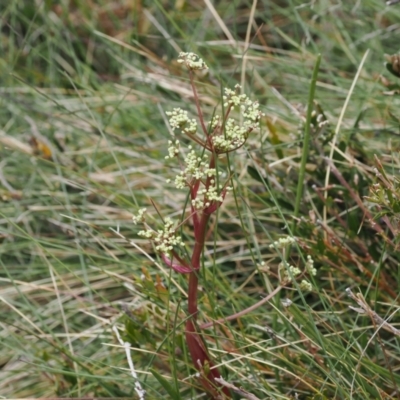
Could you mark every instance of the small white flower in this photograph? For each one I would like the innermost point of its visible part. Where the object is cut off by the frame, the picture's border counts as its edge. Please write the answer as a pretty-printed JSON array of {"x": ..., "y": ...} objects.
[
  {"x": 192, "y": 61},
  {"x": 198, "y": 203},
  {"x": 140, "y": 216},
  {"x": 234, "y": 135},
  {"x": 166, "y": 239},
  {"x": 294, "y": 271},
  {"x": 148, "y": 234},
  {"x": 282, "y": 242},
  {"x": 173, "y": 149},
  {"x": 310, "y": 266},
  {"x": 305, "y": 286},
  {"x": 179, "y": 119}
]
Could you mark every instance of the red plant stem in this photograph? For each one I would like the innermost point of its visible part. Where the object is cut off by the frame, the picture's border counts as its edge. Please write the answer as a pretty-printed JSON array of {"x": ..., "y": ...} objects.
[
  {"x": 197, "y": 346},
  {"x": 200, "y": 229},
  {"x": 228, "y": 111},
  {"x": 196, "y": 258}
]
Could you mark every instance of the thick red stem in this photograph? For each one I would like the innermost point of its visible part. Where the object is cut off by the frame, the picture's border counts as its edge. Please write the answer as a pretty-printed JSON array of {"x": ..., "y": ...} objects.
[
  {"x": 200, "y": 235},
  {"x": 202, "y": 361},
  {"x": 197, "y": 347},
  {"x": 196, "y": 262}
]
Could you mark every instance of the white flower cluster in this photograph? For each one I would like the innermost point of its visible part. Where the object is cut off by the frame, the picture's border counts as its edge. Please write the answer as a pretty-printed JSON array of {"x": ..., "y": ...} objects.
[
  {"x": 234, "y": 135},
  {"x": 196, "y": 168},
  {"x": 206, "y": 196},
  {"x": 192, "y": 61},
  {"x": 140, "y": 216},
  {"x": 321, "y": 120},
  {"x": 164, "y": 239},
  {"x": 310, "y": 266},
  {"x": 179, "y": 119},
  {"x": 173, "y": 149},
  {"x": 294, "y": 271},
  {"x": 289, "y": 273},
  {"x": 250, "y": 109},
  {"x": 282, "y": 242},
  {"x": 305, "y": 286},
  {"x": 214, "y": 121},
  {"x": 319, "y": 126}
]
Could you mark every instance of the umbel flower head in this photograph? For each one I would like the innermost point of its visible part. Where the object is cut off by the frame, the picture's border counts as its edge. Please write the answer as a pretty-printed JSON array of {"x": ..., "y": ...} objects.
[
  {"x": 192, "y": 61},
  {"x": 196, "y": 171},
  {"x": 225, "y": 134},
  {"x": 179, "y": 119},
  {"x": 164, "y": 239}
]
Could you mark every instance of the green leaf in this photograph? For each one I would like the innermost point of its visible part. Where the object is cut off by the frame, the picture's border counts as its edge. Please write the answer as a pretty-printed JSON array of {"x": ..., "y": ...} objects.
[
  {"x": 275, "y": 141},
  {"x": 255, "y": 174},
  {"x": 166, "y": 385}
]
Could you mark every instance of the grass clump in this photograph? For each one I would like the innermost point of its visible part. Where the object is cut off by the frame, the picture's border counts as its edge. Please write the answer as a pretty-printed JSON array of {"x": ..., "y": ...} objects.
[{"x": 85, "y": 92}]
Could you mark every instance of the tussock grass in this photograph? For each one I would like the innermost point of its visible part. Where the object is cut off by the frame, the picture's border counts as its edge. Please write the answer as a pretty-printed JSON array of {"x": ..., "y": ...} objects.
[{"x": 83, "y": 94}]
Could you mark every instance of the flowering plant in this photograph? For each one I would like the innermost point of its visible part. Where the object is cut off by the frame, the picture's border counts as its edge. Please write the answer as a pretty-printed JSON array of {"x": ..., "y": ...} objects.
[
  {"x": 200, "y": 176},
  {"x": 207, "y": 188}
]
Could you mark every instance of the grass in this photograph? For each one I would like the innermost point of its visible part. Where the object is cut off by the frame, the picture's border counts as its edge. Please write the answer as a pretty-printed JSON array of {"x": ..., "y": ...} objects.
[{"x": 84, "y": 90}]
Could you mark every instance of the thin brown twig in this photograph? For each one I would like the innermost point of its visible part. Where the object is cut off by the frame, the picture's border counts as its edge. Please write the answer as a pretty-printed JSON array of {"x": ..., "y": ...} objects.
[
  {"x": 367, "y": 310},
  {"x": 243, "y": 393},
  {"x": 376, "y": 320},
  {"x": 243, "y": 312}
]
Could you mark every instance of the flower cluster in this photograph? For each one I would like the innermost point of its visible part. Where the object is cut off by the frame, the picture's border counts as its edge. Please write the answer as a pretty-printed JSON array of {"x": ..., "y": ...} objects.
[
  {"x": 192, "y": 61},
  {"x": 310, "y": 266},
  {"x": 250, "y": 109},
  {"x": 196, "y": 167},
  {"x": 320, "y": 119},
  {"x": 164, "y": 239},
  {"x": 173, "y": 149},
  {"x": 305, "y": 286},
  {"x": 179, "y": 119},
  {"x": 233, "y": 135},
  {"x": 205, "y": 196},
  {"x": 198, "y": 172},
  {"x": 282, "y": 243},
  {"x": 289, "y": 273},
  {"x": 319, "y": 125},
  {"x": 140, "y": 216}
]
